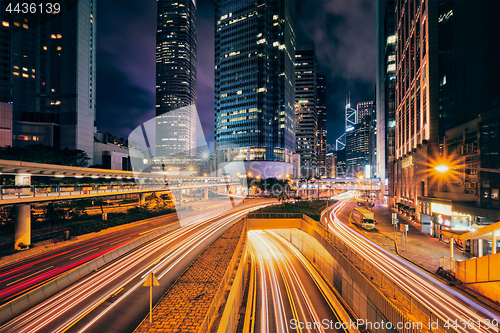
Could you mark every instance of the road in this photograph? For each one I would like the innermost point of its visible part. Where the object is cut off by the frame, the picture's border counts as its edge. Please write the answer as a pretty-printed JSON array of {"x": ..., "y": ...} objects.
[
  {"x": 444, "y": 301},
  {"x": 289, "y": 294},
  {"x": 112, "y": 298},
  {"x": 25, "y": 275}
]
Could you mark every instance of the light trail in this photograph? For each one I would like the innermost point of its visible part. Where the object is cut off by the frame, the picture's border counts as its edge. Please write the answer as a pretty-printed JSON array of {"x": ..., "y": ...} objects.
[
  {"x": 447, "y": 303},
  {"x": 68, "y": 306},
  {"x": 301, "y": 303}
]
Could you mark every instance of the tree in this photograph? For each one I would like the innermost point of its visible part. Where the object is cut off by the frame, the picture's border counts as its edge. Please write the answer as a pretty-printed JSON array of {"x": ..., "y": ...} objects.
[{"x": 45, "y": 154}]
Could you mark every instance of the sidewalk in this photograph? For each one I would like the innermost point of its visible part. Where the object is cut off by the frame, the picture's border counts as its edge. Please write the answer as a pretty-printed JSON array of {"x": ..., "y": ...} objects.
[{"x": 422, "y": 249}]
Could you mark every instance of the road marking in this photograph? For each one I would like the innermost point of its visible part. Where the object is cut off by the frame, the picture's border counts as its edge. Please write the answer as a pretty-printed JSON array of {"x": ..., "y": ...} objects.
[
  {"x": 150, "y": 230},
  {"x": 29, "y": 275},
  {"x": 119, "y": 240},
  {"x": 117, "y": 292},
  {"x": 81, "y": 254}
]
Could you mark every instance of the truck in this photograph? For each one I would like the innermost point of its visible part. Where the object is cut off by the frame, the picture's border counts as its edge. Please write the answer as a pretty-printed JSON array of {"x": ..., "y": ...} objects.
[{"x": 364, "y": 218}]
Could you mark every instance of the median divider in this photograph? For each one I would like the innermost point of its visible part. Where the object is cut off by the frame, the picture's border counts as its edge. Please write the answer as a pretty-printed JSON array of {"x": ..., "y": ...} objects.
[
  {"x": 207, "y": 296},
  {"x": 21, "y": 304}
]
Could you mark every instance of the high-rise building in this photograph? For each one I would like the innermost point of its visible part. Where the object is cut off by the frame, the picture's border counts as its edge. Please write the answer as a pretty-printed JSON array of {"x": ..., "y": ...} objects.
[
  {"x": 321, "y": 107},
  {"x": 49, "y": 75},
  {"x": 364, "y": 109},
  {"x": 447, "y": 73},
  {"x": 350, "y": 121},
  {"x": 306, "y": 112},
  {"x": 176, "y": 78},
  {"x": 358, "y": 148},
  {"x": 373, "y": 144},
  {"x": 330, "y": 161},
  {"x": 254, "y": 81},
  {"x": 385, "y": 95}
]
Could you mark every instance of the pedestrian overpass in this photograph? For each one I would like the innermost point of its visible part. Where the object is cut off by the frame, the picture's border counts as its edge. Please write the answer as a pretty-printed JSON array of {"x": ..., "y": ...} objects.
[{"x": 110, "y": 183}]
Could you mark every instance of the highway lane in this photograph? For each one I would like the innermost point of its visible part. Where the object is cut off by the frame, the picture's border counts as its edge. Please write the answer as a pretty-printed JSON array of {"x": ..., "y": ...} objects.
[
  {"x": 288, "y": 298},
  {"x": 444, "y": 301},
  {"x": 84, "y": 306},
  {"x": 19, "y": 277},
  {"x": 22, "y": 276}
]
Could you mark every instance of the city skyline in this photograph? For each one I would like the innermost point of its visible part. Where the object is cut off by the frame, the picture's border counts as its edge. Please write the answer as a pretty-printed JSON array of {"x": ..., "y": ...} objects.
[{"x": 131, "y": 70}]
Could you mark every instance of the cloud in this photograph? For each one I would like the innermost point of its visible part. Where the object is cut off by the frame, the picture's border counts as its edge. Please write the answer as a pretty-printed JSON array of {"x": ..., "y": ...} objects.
[
  {"x": 343, "y": 32},
  {"x": 126, "y": 44},
  {"x": 205, "y": 69}
]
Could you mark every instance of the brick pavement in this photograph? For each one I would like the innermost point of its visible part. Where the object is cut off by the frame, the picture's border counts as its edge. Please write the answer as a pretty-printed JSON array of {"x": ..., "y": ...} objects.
[{"x": 185, "y": 305}]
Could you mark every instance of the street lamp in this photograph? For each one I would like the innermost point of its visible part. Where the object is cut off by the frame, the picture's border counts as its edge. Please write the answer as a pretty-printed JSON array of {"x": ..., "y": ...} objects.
[{"x": 442, "y": 168}]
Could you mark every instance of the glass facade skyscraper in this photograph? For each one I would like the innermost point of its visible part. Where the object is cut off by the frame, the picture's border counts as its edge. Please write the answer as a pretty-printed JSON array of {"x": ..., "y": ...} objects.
[
  {"x": 49, "y": 75},
  {"x": 364, "y": 109},
  {"x": 386, "y": 86},
  {"x": 321, "y": 107},
  {"x": 306, "y": 112},
  {"x": 254, "y": 80},
  {"x": 176, "y": 78}
]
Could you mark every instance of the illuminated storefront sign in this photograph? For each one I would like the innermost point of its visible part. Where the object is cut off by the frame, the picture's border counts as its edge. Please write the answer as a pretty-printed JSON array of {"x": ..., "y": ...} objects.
[{"x": 440, "y": 208}]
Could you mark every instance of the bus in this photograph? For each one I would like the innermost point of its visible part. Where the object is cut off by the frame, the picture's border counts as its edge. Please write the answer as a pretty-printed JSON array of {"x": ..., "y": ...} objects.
[{"x": 364, "y": 218}]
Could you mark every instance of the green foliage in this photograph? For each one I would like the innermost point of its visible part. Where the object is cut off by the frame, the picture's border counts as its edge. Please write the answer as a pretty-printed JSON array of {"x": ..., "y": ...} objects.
[
  {"x": 54, "y": 214},
  {"x": 45, "y": 154},
  {"x": 115, "y": 219},
  {"x": 310, "y": 208}
]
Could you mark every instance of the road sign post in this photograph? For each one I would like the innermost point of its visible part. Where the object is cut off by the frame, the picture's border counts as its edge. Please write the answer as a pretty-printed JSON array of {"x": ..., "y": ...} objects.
[
  {"x": 150, "y": 282},
  {"x": 395, "y": 223}
]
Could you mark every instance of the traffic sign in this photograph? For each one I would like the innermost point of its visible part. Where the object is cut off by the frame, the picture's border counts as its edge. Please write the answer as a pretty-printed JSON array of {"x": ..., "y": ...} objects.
[
  {"x": 150, "y": 282},
  {"x": 150, "y": 277}
]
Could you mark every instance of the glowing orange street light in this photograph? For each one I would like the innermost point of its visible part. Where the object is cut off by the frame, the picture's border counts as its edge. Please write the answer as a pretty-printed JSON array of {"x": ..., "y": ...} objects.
[
  {"x": 249, "y": 174},
  {"x": 258, "y": 177},
  {"x": 361, "y": 177},
  {"x": 442, "y": 168}
]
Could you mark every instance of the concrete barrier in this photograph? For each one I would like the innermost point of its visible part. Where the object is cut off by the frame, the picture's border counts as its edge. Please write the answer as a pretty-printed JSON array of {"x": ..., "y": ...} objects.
[
  {"x": 230, "y": 316},
  {"x": 38, "y": 295}
]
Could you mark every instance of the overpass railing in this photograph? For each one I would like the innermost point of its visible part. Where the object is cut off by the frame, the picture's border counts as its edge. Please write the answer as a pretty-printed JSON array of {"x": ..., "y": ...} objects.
[
  {"x": 275, "y": 216},
  {"x": 9, "y": 192}
]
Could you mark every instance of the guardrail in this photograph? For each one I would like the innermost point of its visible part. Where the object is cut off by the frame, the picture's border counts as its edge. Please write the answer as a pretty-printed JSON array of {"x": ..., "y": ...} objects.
[
  {"x": 275, "y": 216},
  {"x": 57, "y": 190}
]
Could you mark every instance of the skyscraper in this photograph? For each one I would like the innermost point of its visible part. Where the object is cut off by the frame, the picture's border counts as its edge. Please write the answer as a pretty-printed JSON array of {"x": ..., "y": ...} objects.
[
  {"x": 364, "y": 109},
  {"x": 321, "y": 107},
  {"x": 49, "y": 75},
  {"x": 385, "y": 97},
  {"x": 350, "y": 121},
  {"x": 358, "y": 148},
  {"x": 447, "y": 73},
  {"x": 254, "y": 80},
  {"x": 176, "y": 78},
  {"x": 306, "y": 112}
]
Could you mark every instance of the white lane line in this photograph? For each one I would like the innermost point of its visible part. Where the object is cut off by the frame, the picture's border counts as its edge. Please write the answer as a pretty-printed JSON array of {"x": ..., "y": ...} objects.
[
  {"x": 121, "y": 240},
  {"x": 46, "y": 268},
  {"x": 81, "y": 254}
]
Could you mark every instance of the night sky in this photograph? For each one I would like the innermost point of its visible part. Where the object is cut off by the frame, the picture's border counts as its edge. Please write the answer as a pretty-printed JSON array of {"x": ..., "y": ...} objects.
[{"x": 342, "y": 30}]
